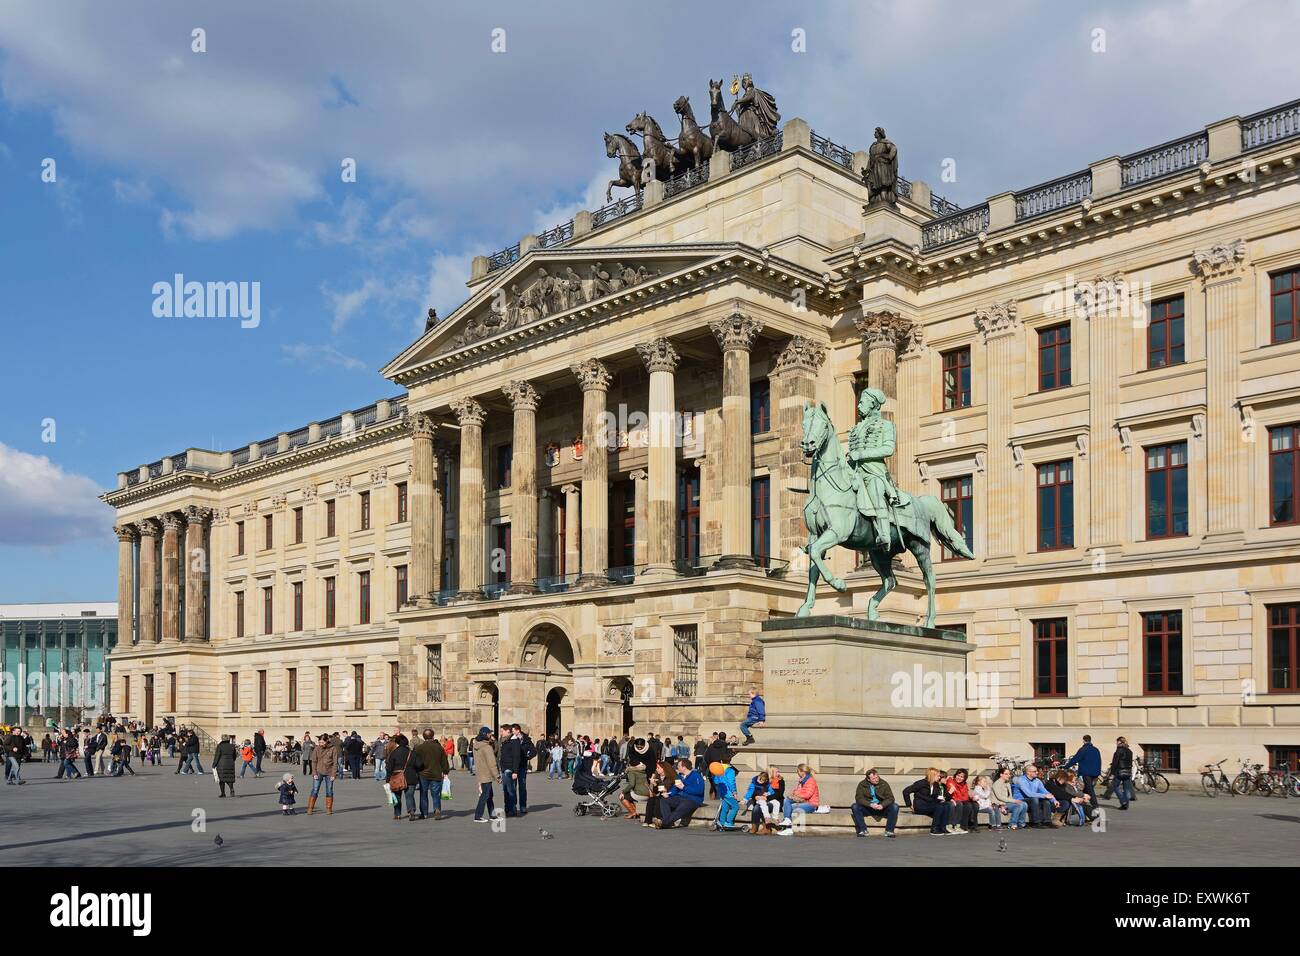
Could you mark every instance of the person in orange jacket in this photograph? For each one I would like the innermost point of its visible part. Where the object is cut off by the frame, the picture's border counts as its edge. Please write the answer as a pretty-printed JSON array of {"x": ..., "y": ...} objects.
[{"x": 247, "y": 755}]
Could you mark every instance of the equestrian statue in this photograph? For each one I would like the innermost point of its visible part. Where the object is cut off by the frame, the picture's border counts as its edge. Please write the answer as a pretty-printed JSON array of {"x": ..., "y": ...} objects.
[{"x": 854, "y": 503}]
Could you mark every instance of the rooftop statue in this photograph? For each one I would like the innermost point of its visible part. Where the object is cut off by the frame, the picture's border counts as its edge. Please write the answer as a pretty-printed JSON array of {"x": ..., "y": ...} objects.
[
  {"x": 755, "y": 110},
  {"x": 629, "y": 163},
  {"x": 656, "y": 151},
  {"x": 855, "y": 504},
  {"x": 881, "y": 173}
]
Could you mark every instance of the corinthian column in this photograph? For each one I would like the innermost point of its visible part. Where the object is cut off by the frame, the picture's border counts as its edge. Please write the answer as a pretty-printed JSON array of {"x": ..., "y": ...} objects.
[
  {"x": 523, "y": 488},
  {"x": 148, "y": 624},
  {"x": 594, "y": 380},
  {"x": 794, "y": 378},
  {"x": 437, "y": 519},
  {"x": 423, "y": 582},
  {"x": 572, "y": 530},
  {"x": 126, "y": 535},
  {"x": 660, "y": 361},
  {"x": 1000, "y": 327},
  {"x": 171, "y": 577},
  {"x": 640, "y": 515},
  {"x": 471, "y": 522},
  {"x": 735, "y": 335},
  {"x": 196, "y": 568}
]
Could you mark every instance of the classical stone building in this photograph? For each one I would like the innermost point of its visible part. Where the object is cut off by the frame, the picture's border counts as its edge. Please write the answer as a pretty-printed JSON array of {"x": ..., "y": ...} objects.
[{"x": 587, "y": 498}]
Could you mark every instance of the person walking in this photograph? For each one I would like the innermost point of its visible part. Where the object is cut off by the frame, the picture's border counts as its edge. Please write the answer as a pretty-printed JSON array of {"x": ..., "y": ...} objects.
[
  {"x": 308, "y": 748},
  {"x": 510, "y": 761},
  {"x": 377, "y": 755},
  {"x": 355, "y": 749},
  {"x": 1121, "y": 772},
  {"x": 462, "y": 749},
  {"x": 259, "y": 751},
  {"x": 1088, "y": 762},
  {"x": 527, "y": 754},
  {"x": 101, "y": 748},
  {"x": 401, "y": 776},
  {"x": 192, "y": 760},
  {"x": 430, "y": 760},
  {"x": 16, "y": 752},
  {"x": 122, "y": 757},
  {"x": 223, "y": 764},
  {"x": 486, "y": 773},
  {"x": 68, "y": 751},
  {"x": 325, "y": 764},
  {"x": 248, "y": 755}
]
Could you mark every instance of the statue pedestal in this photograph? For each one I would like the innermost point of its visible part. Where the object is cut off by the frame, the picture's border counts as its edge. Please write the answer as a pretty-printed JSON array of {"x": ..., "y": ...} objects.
[{"x": 844, "y": 694}]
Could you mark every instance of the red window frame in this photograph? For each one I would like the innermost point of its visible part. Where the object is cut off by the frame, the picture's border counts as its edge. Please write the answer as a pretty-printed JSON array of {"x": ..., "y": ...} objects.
[
  {"x": 323, "y": 679},
  {"x": 297, "y": 605},
  {"x": 760, "y": 406},
  {"x": 365, "y": 511},
  {"x": 401, "y": 586},
  {"x": 234, "y": 692},
  {"x": 1283, "y": 623},
  {"x": 1165, "y": 628},
  {"x": 261, "y": 692},
  {"x": 239, "y": 614},
  {"x": 331, "y": 604},
  {"x": 1054, "y": 357},
  {"x": 1164, "y": 456},
  {"x": 401, "y": 502},
  {"x": 760, "y": 495},
  {"x": 292, "y": 681},
  {"x": 1167, "y": 315},
  {"x": 688, "y": 516},
  {"x": 1284, "y": 306},
  {"x": 959, "y": 495},
  {"x": 1284, "y": 461},
  {"x": 331, "y": 519},
  {"x": 268, "y": 609},
  {"x": 1059, "y": 475},
  {"x": 268, "y": 532},
  {"x": 363, "y": 597},
  {"x": 1279, "y": 754},
  {"x": 239, "y": 537},
  {"x": 956, "y": 386},
  {"x": 297, "y": 525},
  {"x": 1052, "y": 637}
]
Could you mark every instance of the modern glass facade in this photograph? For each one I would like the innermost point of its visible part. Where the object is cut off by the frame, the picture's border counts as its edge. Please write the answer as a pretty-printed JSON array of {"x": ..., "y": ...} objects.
[{"x": 55, "y": 668}]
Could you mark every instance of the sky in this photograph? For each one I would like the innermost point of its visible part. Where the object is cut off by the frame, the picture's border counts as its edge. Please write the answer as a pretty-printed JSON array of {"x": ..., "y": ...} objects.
[{"x": 133, "y": 148}]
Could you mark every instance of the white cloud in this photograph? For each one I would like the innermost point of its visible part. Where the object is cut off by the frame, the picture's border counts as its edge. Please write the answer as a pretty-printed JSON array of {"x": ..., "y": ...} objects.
[
  {"x": 131, "y": 191},
  {"x": 446, "y": 289},
  {"x": 319, "y": 357},
  {"x": 41, "y": 504}
]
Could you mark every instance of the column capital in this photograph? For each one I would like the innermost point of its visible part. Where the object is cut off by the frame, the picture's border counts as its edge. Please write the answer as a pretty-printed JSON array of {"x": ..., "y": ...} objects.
[
  {"x": 1104, "y": 295},
  {"x": 886, "y": 328},
  {"x": 1219, "y": 261},
  {"x": 997, "y": 318},
  {"x": 196, "y": 515},
  {"x": 592, "y": 374},
  {"x": 658, "y": 355},
  {"x": 736, "y": 331},
  {"x": 148, "y": 528},
  {"x": 468, "y": 412},
  {"x": 801, "y": 353},
  {"x": 569, "y": 489},
  {"x": 523, "y": 396},
  {"x": 422, "y": 426},
  {"x": 125, "y": 532},
  {"x": 639, "y": 475}
]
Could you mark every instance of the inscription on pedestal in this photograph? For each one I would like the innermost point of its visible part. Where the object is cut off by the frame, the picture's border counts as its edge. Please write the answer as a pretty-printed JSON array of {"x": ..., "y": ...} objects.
[{"x": 796, "y": 671}]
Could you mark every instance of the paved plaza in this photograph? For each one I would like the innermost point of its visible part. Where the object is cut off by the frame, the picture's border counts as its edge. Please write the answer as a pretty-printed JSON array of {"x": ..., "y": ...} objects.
[{"x": 147, "y": 821}]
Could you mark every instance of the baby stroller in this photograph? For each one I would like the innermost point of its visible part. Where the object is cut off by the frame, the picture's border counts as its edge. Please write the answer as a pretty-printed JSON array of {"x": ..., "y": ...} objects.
[{"x": 596, "y": 796}]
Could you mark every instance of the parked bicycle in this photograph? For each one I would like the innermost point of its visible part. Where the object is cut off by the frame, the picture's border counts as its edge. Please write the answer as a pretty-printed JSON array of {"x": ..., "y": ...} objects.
[
  {"x": 1212, "y": 785},
  {"x": 1279, "y": 780},
  {"x": 1147, "y": 778},
  {"x": 1250, "y": 778}
]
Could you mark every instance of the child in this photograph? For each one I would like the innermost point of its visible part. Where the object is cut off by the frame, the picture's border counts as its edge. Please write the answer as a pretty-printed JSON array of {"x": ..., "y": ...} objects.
[{"x": 287, "y": 791}]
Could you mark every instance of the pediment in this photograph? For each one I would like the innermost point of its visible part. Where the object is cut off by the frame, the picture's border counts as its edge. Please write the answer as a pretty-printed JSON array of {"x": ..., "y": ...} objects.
[{"x": 552, "y": 288}]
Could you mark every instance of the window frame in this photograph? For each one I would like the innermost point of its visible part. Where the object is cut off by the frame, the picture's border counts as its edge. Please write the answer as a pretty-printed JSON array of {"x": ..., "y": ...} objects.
[
  {"x": 958, "y": 517},
  {"x": 760, "y": 510},
  {"x": 959, "y": 395},
  {"x": 1168, "y": 470},
  {"x": 1291, "y": 628},
  {"x": 297, "y": 605},
  {"x": 331, "y": 601},
  {"x": 1062, "y": 341},
  {"x": 760, "y": 406},
  {"x": 403, "y": 503},
  {"x": 364, "y": 508},
  {"x": 1166, "y": 319},
  {"x": 1292, "y": 275},
  {"x": 1294, "y": 453},
  {"x": 1057, "y": 642},
  {"x": 402, "y": 585},
  {"x": 363, "y": 597},
  {"x": 1170, "y": 635},
  {"x": 1057, "y": 484}
]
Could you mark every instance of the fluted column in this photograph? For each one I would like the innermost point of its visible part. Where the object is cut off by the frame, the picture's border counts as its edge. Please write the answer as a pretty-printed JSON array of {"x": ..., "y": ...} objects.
[
  {"x": 471, "y": 520},
  {"x": 437, "y": 518},
  {"x": 795, "y": 379},
  {"x": 886, "y": 333},
  {"x": 736, "y": 334},
  {"x": 1101, "y": 305},
  {"x": 661, "y": 360},
  {"x": 572, "y": 530},
  {"x": 196, "y": 573},
  {"x": 1000, "y": 327},
  {"x": 150, "y": 532},
  {"x": 594, "y": 380},
  {"x": 126, "y": 535},
  {"x": 523, "y": 488},
  {"x": 913, "y": 402},
  {"x": 640, "y": 514},
  {"x": 421, "y": 492},
  {"x": 171, "y": 577}
]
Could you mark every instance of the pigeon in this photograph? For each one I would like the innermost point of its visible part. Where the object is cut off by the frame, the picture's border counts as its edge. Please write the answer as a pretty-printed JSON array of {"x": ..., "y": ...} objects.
[
  {"x": 1002, "y": 846},
  {"x": 546, "y": 834},
  {"x": 218, "y": 841}
]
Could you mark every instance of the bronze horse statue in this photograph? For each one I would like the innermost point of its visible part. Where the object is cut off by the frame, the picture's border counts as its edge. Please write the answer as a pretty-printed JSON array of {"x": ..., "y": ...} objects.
[
  {"x": 727, "y": 133},
  {"x": 658, "y": 151},
  {"x": 629, "y": 163},
  {"x": 693, "y": 145}
]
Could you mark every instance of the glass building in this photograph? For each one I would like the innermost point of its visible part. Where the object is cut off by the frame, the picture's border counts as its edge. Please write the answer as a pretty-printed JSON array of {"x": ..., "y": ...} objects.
[{"x": 55, "y": 662}]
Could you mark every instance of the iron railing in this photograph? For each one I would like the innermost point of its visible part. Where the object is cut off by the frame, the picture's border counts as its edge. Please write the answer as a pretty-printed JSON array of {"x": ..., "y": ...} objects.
[
  {"x": 903, "y": 188},
  {"x": 1270, "y": 126},
  {"x": 687, "y": 180},
  {"x": 556, "y": 236},
  {"x": 1164, "y": 160},
  {"x": 616, "y": 210},
  {"x": 955, "y": 226},
  {"x": 752, "y": 153},
  {"x": 942, "y": 207},
  {"x": 507, "y": 256},
  {"x": 841, "y": 155},
  {"x": 1054, "y": 195}
]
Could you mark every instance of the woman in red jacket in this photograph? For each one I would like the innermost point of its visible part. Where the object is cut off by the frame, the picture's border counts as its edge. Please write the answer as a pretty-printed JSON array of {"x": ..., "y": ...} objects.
[{"x": 963, "y": 816}]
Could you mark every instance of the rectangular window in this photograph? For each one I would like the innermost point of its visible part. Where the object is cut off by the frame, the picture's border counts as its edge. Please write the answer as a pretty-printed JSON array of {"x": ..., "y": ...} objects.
[
  {"x": 1285, "y": 302},
  {"x": 1283, "y": 757},
  {"x": 1162, "y": 652},
  {"x": 331, "y": 528},
  {"x": 1056, "y": 506},
  {"x": 1165, "y": 334},
  {"x": 126, "y": 695},
  {"x": 1283, "y": 474},
  {"x": 261, "y": 692},
  {"x": 401, "y": 586},
  {"x": 688, "y": 517},
  {"x": 239, "y": 537},
  {"x": 1167, "y": 491},
  {"x": 1283, "y": 630},
  {"x": 433, "y": 667},
  {"x": 323, "y": 678},
  {"x": 1045, "y": 753},
  {"x": 268, "y": 531},
  {"x": 365, "y": 510},
  {"x": 268, "y": 610},
  {"x": 502, "y": 456},
  {"x": 1166, "y": 757},
  {"x": 297, "y": 605},
  {"x": 956, "y": 378},
  {"x": 686, "y": 659},
  {"x": 401, "y": 502},
  {"x": 392, "y": 684},
  {"x": 297, "y": 526},
  {"x": 363, "y": 597},
  {"x": 760, "y": 507},
  {"x": 329, "y": 602},
  {"x": 1054, "y": 357},
  {"x": 292, "y": 681},
  {"x": 760, "y": 406},
  {"x": 239, "y": 614},
  {"x": 499, "y": 559},
  {"x": 622, "y": 524},
  {"x": 358, "y": 686},
  {"x": 1051, "y": 654},
  {"x": 958, "y": 495},
  {"x": 171, "y": 691},
  {"x": 234, "y": 692}
]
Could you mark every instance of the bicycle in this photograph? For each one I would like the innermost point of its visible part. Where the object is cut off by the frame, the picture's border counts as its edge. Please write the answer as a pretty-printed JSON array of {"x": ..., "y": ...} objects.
[
  {"x": 1212, "y": 785},
  {"x": 1249, "y": 778},
  {"x": 1147, "y": 778},
  {"x": 1279, "y": 780}
]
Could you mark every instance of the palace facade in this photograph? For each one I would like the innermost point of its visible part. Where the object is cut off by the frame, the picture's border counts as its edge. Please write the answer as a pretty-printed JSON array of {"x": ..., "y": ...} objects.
[{"x": 585, "y": 494}]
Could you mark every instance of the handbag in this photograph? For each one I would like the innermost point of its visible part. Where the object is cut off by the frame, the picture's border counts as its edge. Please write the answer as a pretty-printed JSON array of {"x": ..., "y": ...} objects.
[{"x": 398, "y": 783}]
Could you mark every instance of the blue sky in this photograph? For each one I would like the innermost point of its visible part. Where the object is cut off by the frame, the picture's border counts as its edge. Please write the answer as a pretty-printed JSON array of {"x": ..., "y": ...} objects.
[{"x": 224, "y": 165}]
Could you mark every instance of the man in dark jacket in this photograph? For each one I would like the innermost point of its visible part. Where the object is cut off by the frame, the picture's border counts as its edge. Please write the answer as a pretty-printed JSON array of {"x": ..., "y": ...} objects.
[
  {"x": 1088, "y": 761},
  {"x": 259, "y": 748},
  {"x": 16, "y": 751},
  {"x": 430, "y": 759},
  {"x": 527, "y": 753},
  {"x": 511, "y": 759},
  {"x": 462, "y": 748},
  {"x": 1121, "y": 772},
  {"x": 192, "y": 760},
  {"x": 355, "y": 747},
  {"x": 874, "y": 798}
]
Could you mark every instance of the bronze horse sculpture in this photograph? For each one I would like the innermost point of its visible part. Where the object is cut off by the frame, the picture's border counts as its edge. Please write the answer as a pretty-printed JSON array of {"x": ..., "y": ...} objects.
[
  {"x": 832, "y": 518},
  {"x": 658, "y": 152},
  {"x": 694, "y": 147},
  {"x": 727, "y": 133},
  {"x": 629, "y": 163}
]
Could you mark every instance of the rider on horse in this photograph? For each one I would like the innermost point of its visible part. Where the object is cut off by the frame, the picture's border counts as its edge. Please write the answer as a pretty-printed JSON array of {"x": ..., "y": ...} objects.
[{"x": 870, "y": 442}]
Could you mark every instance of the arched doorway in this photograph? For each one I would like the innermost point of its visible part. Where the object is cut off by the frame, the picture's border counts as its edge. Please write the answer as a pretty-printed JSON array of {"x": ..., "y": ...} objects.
[
  {"x": 545, "y": 686},
  {"x": 489, "y": 706},
  {"x": 621, "y": 689},
  {"x": 554, "y": 718}
]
